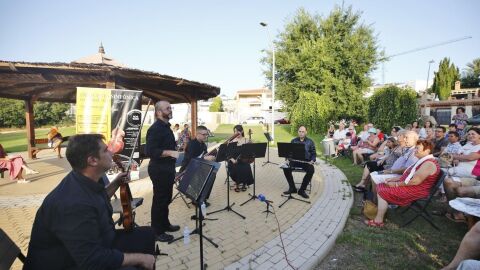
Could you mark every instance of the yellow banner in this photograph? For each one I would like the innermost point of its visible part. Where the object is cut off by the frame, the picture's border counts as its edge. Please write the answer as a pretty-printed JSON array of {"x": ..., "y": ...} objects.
[{"x": 93, "y": 111}]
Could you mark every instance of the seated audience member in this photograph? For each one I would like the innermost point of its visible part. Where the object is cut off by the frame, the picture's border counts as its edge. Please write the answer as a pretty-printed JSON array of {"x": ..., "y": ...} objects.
[
  {"x": 394, "y": 132},
  {"x": 415, "y": 183},
  {"x": 380, "y": 135},
  {"x": 344, "y": 144},
  {"x": 363, "y": 135},
  {"x": 340, "y": 133},
  {"x": 440, "y": 141},
  {"x": 386, "y": 162},
  {"x": 453, "y": 146},
  {"x": 465, "y": 163},
  {"x": 408, "y": 127},
  {"x": 468, "y": 252},
  {"x": 451, "y": 127},
  {"x": 73, "y": 228},
  {"x": 464, "y": 187},
  {"x": 430, "y": 135},
  {"x": 351, "y": 129},
  {"x": 407, "y": 139},
  {"x": 423, "y": 133},
  {"x": 460, "y": 119},
  {"x": 15, "y": 165},
  {"x": 415, "y": 127},
  {"x": 330, "y": 131},
  {"x": 365, "y": 147}
]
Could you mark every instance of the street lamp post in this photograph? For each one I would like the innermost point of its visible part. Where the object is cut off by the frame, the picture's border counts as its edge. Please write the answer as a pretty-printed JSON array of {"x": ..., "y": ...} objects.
[
  {"x": 273, "y": 80},
  {"x": 428, "y": 74}
]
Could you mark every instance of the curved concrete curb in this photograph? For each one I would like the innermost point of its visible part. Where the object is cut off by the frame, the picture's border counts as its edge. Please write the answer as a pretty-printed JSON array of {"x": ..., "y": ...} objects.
[{"x": 310, "y": 239}]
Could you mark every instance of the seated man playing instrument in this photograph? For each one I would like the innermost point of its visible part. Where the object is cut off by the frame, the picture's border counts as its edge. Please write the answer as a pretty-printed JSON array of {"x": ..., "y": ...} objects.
[
  {"x": 73, "y": 228},
  {"x": 310, "y": 158}
]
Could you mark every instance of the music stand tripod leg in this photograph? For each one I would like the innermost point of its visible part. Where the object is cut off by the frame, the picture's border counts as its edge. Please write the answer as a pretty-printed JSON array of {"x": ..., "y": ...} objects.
[
  {"x": 228, "y": 208},
  {"x": 252, "y": 196},
  {"x": 290, "y": 197}
]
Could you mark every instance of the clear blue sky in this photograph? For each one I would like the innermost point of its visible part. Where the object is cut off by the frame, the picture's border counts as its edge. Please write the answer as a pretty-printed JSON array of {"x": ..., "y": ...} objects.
[{"x": 221, "y": 42}]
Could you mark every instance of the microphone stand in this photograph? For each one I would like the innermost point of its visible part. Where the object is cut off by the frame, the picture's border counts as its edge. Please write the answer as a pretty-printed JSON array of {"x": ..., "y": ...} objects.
[{"x": 268, "y": 209}]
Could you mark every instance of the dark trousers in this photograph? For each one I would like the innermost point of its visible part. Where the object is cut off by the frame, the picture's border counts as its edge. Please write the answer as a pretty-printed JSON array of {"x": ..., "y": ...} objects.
[
  {"x": 309, "y": 170},
  {"x": 139, "y": 240},
  {"x": 162, "y": 197},
  {"x": 373, "y": 166}
]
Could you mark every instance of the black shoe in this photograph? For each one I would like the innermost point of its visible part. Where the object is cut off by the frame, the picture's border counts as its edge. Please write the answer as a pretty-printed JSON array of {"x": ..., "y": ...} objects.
[
  {"x": 290, "y": 191},
  {"x": 303, "y": 194},
  {"x": 173, "y": 228},
  {"x": 163, "y": 237}
]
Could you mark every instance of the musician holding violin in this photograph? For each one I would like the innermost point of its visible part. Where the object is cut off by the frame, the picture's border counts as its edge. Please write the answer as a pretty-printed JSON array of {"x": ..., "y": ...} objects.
[
  {"x": 239, "y": 168},
  {"x": 306, "y": 164},
  {"x": 73, "y": 228},
  {"x": 197, "y": 148}
]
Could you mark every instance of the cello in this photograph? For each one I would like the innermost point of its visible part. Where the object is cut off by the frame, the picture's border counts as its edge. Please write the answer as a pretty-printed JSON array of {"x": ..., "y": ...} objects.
[{"x": 128, "y": 216}]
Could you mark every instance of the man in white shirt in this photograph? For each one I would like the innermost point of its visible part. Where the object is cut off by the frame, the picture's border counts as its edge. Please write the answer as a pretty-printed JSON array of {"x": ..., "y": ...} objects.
[{"x": 340, "y": 133}]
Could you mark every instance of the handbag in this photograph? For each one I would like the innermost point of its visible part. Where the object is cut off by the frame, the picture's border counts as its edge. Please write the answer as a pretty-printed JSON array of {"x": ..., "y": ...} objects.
[{"x": 369, "y": 209}]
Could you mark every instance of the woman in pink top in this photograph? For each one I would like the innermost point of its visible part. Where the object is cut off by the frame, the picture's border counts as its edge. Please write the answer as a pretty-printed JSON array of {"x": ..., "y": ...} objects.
[{"x": 15, "y": 165}]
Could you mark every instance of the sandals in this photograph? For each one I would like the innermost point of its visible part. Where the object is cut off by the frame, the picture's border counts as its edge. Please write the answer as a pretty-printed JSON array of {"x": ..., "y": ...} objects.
[
  {"x": 452, "y": 217},
  {"x": 373, "y": 223},
  {"x": 244, "y": 188},
  {"x": 359, "y": 189},
  {"x": 237, "y": 189}
]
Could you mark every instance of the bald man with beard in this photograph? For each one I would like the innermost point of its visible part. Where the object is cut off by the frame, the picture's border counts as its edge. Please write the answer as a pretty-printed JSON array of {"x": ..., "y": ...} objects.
[{"x": 161, "y": 149}]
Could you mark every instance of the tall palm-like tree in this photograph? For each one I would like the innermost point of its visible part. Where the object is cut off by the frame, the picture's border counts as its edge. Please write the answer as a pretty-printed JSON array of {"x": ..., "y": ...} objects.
[{"x": 474, "y": 67}]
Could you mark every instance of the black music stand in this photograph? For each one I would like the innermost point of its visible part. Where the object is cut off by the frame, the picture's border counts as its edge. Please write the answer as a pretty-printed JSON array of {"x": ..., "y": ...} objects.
[
  {"x": 253, "y": 150},
  {"x": 269, "y": 139},
  {"x": 197, "y": 184},
  {"x": 291, "y": 151},
  {"x": 225, "y": 152}
]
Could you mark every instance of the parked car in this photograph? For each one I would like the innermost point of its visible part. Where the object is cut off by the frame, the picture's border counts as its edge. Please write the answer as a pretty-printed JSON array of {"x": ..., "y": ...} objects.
[
  {"x": 254, "y": 120},
  {"x": 474, "y": 120},
  {"x": 282, "y": 121}
]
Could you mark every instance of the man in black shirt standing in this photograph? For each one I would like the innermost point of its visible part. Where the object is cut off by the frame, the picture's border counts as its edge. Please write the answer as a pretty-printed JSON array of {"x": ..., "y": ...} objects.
[
  {"x": 310, "y": 158},
  {"x": 196, "y": 148},
  {"x": 73, "y": 228},
  {"x": 161, "y": 149}
]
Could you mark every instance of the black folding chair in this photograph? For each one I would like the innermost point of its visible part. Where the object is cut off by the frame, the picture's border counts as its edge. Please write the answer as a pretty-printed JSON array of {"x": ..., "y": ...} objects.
[
  {"x": 420, "y": 206},
  {"x": 9, "y": 251}
]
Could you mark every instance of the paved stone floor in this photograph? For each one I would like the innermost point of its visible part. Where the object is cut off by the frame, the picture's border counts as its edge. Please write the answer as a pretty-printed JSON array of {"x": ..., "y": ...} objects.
[{"x": 308, "y": 230}]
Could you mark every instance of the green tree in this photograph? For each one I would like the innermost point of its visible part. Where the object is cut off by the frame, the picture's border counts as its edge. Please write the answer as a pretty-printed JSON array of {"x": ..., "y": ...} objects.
[
  {"x": 330, "y": 56},
  {"x": 217, "y": 105},
  {"x": 392, "y": 106},
  {"x": 12, "y": 113},
  {"x": 471, "y": 76},
  {"x": 311, "y": 112},
  {"x": 445, "y": 78},
  {"x": 47, "y": 113}
]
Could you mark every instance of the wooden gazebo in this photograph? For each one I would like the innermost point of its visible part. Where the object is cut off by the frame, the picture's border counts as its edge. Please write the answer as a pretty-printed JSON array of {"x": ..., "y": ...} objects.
[{"x": 57, "y": 82}]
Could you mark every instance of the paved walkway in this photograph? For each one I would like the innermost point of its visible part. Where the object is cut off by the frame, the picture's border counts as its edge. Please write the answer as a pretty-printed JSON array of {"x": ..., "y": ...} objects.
[{"x": 308, "y": 230}]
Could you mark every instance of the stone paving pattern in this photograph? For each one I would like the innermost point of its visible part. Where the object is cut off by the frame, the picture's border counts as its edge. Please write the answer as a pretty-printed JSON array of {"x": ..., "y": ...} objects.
[{"x": 308, "y": 230}]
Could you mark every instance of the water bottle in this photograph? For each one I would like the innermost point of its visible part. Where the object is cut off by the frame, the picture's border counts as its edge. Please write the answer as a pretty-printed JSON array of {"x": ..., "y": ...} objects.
[
  {"x": 203, "y": 208},
  {"x": 186, "y": 236}
]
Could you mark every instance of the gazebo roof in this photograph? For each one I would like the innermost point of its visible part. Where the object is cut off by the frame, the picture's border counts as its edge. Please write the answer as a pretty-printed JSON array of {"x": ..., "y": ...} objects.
[{"x": 57, "y": 82}]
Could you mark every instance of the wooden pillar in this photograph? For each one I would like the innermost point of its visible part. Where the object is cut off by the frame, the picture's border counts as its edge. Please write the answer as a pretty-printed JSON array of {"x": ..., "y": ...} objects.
[
  {"x": 30, "y": 126},
  {"x": 193, "y": 105}
]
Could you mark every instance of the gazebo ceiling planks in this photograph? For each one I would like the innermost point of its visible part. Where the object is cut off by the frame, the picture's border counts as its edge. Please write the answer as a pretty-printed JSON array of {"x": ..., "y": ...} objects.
[{"x": 57, "y": 82}]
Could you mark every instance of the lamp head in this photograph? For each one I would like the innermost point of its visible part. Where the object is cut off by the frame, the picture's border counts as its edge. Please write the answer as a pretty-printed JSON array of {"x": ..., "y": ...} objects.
[{"x": 263, "y": 24}]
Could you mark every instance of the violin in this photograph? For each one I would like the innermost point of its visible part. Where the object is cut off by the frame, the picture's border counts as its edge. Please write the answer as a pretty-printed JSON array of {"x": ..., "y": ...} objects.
[{"x": 128, "y": 217}]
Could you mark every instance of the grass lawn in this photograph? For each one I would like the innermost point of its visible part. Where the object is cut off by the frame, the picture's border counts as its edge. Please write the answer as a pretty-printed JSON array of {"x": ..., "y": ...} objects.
[
  {"x": 418, "y": 246},
  {"x": 16, "y": 141}
]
